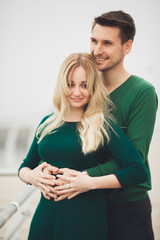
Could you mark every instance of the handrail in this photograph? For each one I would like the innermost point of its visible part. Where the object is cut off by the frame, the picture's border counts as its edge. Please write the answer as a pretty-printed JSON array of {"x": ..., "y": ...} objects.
[
  {"x": 13, "y": 228},
  {"x": 13, "y": 206}
]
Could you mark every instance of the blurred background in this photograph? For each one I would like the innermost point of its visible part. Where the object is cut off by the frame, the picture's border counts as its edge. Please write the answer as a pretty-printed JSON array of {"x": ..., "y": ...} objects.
[{"x": 35, "y": 37}]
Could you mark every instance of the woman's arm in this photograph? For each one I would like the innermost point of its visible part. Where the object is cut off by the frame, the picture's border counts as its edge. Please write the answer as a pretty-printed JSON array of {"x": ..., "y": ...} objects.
[
  {"x": 31, "y": 171},
  {"x": 37, "y": 178}
]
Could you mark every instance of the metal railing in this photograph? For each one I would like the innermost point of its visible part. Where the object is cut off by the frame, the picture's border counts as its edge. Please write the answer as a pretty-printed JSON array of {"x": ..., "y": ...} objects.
[{"x": 12, "y": 208}]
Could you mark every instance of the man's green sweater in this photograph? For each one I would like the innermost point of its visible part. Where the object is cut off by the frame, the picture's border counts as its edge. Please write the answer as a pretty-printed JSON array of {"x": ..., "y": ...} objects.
[{"x": 135, "y": 111}]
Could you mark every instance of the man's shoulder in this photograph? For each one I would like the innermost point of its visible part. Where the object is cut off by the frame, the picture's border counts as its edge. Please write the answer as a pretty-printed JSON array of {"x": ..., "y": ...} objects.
[
  {"x": 140, "y": 83},
  {"x": 133, "y": 90}
]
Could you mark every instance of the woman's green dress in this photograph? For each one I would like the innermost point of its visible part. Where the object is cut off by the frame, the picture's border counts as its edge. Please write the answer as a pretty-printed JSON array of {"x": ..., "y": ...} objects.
[{"x": 83, "y": 217}]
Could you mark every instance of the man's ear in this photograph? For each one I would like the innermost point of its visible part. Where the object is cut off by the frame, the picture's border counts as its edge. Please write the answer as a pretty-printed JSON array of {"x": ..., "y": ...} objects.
[{"x": 128, "y": 46}]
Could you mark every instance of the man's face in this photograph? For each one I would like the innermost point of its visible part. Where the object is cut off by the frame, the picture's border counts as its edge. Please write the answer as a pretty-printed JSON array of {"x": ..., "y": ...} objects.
[{"x": 106, "y": 47}]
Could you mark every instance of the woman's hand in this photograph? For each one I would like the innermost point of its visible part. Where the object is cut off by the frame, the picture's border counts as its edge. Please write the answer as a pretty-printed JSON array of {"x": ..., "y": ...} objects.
[
  {"x": 38, "y": 178},
  {"x": 52, "y": 193},
  {"x": 58, "y": 182},
  {"x": 77, "y": 183}
]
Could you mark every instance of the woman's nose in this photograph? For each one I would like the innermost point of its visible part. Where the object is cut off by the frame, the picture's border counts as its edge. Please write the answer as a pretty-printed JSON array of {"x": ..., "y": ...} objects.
[{"x": 77, "y": 91}]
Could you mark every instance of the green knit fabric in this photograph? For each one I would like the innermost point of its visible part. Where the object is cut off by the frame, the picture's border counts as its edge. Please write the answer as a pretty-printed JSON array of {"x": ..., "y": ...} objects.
[
  {"x": 135, "y": 111},
  {"x": 83, "y": 217}
]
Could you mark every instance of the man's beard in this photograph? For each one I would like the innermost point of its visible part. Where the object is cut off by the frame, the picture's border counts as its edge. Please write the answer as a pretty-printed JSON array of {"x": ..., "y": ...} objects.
[{"x": 113, "y": 65}]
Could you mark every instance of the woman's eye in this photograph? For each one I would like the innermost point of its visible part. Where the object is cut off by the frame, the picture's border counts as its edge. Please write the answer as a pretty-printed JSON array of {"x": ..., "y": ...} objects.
[
  {"x": 84, "y": 85},
  {"x": 70, "y": 85}
]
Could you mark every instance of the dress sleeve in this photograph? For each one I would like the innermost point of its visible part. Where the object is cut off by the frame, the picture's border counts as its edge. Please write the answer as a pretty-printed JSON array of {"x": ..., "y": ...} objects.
[
  {"x": 32, "y": 159},
  {"x": 133, "y": 170}
]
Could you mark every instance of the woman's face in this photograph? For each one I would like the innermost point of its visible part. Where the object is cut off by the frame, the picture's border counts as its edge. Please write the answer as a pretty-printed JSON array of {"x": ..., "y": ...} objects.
[{"x": 78, "y": 95}]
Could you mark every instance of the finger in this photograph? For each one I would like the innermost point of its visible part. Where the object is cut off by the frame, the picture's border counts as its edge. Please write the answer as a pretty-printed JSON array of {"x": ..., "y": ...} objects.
[
  {"x": 58, "y": 182},
  {"x": 42, "y": 188},
  {"x": 67, "y": 171},
  {"x": 51, "y": 195},
  {"x": 65, "y": 191},
  {"x": 46, "y": 173},
  {"x": 63, "y": 170},
  {"x": 44, "y": 165},
  {"x": 73, "y": 173},
  {"x": 55, "y": 170},
  {"x": 46, "y": 187},
  {"x": 65, "y": 178},
  {"x": 48, "y": 176},
  {"x": 47, "y": 169},
  {"x": 52, "y": 190},
  {"x": 51, "y": 169},
  {"x": 62, "y": 197},
  {"x": 73, "y": 195},
  {"x": 62, "y": 187},
  {"x": 45, "y": 195},
  {"x": 47, "y": 182}
]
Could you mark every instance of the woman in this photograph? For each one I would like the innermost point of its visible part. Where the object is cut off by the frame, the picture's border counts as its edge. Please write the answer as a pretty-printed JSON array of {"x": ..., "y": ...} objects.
[{"x": 79, "y": 135}]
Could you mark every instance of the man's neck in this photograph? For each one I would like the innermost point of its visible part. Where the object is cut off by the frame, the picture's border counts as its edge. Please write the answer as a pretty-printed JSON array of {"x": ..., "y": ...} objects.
[{"x": 114, "y": 78}]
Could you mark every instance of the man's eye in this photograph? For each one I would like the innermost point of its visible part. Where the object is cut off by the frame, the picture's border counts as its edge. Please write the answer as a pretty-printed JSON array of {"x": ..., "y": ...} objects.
[
  {"x": 93, "y": 40},
  {"x": 107, "y": 43}
]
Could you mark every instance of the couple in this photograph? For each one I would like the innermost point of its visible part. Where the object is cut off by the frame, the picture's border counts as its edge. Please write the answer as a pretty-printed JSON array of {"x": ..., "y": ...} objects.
[{"x": 83, "y": 135}]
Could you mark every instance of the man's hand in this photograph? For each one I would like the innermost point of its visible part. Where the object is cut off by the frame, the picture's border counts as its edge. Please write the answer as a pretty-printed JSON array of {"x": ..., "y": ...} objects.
[
  {"x": 62, "y": 197},
  {"x": 52, "y": 193},
  {"x": 77, "y": 183},
  {"x": 66, "y": 172}
]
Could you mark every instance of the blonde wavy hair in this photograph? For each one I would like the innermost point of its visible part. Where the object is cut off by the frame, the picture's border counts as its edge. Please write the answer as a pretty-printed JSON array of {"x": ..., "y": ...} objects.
[{"x": 94, "y": 125}]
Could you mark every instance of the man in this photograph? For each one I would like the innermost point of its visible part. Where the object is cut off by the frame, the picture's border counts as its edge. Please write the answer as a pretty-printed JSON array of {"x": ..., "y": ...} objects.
[{"x": 129, "y": 210}]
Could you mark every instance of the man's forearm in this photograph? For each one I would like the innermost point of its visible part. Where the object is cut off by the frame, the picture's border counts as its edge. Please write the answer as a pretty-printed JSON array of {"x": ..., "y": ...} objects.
[{"x": 106, "y": 168}]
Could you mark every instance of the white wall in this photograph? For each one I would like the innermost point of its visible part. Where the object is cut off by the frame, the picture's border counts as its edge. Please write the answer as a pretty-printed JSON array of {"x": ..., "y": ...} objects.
[{"x": 36, "y": 35}]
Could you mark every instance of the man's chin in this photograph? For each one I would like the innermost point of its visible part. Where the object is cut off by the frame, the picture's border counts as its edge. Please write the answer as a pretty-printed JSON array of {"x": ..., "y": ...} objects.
[{"x": 103, "y": 69}]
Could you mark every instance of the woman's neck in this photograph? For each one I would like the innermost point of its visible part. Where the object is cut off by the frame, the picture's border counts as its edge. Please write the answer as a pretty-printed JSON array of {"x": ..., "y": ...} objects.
[{"x": 74, "y": 115}]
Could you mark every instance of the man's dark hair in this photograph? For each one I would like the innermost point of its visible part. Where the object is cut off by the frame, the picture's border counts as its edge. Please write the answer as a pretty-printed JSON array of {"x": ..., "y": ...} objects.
[{"x": 118, "y": 19}]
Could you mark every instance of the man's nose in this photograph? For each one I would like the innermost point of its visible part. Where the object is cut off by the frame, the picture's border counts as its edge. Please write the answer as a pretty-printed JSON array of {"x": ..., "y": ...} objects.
[{"x": 98, "y": 50}]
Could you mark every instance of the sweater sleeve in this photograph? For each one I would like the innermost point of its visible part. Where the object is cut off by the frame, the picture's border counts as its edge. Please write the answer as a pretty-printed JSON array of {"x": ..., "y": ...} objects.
[
  {"x": 132, "y": 169},
  {"x": 140, "y": 127},
  {"x": 141, "y": 120},
  {"x": 109, "y": 167}
]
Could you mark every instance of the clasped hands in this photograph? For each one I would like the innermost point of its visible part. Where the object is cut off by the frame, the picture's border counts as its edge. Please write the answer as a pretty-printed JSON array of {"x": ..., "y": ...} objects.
[{"x": 67, "y": 183}]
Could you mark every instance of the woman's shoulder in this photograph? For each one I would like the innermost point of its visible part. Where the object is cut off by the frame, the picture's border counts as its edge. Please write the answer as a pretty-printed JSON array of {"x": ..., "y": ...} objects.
[{"x": 46, "y": 117}]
